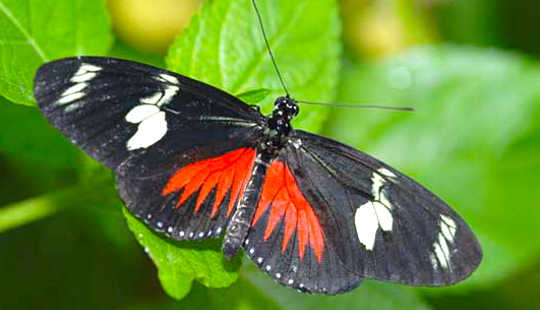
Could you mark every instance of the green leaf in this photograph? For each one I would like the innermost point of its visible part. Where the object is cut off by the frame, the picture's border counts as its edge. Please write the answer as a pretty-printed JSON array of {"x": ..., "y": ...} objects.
[
  {"x": 27, "y": 136},
  {"x": 473, "y": 139},
  {"x": 254, "y": 96},
  {"x": 179, "y": 263},
  {"x": 35, "y": 31},
  {"x": 369, "y": 295},
  {"x": 242, "y": 295},
  {"x": 20, "y": 213},
  {"x": 223, "y": 46},
  {"x": 124, "y": 51}
]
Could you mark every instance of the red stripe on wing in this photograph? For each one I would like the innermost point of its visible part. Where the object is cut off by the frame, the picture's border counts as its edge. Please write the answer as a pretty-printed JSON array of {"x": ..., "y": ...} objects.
[
  {"x": 229, "y": 171},
  {"x": 280, "y": 192}
]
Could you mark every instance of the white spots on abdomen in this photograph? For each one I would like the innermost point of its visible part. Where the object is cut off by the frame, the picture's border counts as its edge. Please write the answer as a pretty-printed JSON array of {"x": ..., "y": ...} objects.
[
  {"x": 152, "y": 126},
  {"x": 443, "y": 242},
  {"x": 375, "y": 214}
]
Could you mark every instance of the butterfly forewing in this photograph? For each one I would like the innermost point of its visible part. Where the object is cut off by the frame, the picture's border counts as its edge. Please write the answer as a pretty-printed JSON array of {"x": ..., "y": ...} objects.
[
  {"x": 154, "y": 127},
  {"x": 380, "y": 223}
]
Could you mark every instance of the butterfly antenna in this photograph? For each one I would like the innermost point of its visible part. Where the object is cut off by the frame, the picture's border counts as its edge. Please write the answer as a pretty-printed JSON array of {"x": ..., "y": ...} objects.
[
  {"x": 268, "y": 47},
  {"x": 358, "y": 106}
]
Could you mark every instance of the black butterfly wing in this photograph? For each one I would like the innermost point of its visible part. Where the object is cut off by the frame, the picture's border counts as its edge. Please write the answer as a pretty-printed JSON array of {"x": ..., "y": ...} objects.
[
  {"x": 374, "y": 222},
  {"x": 151, "y": 127}
]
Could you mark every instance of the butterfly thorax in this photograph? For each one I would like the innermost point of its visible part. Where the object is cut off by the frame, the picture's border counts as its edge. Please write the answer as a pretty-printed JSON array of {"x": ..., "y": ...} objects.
[{"x": 279, "y": 125}]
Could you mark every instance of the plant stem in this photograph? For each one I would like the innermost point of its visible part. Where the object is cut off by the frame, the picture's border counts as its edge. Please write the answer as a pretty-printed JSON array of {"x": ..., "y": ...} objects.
[{"x": 33, "y": 209}]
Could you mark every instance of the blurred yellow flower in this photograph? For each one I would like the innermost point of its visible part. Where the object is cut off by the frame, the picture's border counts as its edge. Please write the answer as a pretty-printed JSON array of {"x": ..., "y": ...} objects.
[{"x": 151, "y": 25}]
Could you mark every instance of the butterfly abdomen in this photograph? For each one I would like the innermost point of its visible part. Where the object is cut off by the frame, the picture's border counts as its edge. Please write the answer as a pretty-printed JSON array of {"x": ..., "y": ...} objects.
[{"x": 238, "y": 227}]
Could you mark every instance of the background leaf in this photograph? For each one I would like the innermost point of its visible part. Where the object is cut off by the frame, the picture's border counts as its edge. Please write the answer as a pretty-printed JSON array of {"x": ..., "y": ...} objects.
[
  {"x": 27, "y": 136},
  {"x": 179, "y": 263},
  {"x": 254, "y": 96},
  {"x": 123, "y": 51},
  {"x": 242, "y": 295},
  {"x": 472, "y": 145},
  {"x": 35, "y": 31},
  {"x": 223, "y": 46},
  {"x": 368, "y": 296}
]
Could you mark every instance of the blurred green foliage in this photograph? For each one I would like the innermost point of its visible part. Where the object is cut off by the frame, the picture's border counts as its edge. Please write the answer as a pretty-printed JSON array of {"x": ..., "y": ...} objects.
[{"x": 474, "y": 140}]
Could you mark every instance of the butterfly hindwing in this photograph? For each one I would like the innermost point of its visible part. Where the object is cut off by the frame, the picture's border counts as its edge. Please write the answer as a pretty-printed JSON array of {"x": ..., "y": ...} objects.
[
  {"x": 152, "y": 127},
  {"x": 187, "y": 200},
  {"x": 288, "y": 241}
]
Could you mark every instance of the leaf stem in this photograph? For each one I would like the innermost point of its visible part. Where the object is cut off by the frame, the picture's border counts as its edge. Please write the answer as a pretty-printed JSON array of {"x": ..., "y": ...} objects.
[{"x": 33, "y": 209}]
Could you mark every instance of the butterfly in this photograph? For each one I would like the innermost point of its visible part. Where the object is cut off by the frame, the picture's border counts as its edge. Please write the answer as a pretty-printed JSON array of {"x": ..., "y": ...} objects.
[{"x": 194, "y": 162}]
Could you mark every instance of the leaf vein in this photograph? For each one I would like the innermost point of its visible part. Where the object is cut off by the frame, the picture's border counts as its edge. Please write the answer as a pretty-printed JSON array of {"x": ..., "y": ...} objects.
[{"x": 23, "y": 31}]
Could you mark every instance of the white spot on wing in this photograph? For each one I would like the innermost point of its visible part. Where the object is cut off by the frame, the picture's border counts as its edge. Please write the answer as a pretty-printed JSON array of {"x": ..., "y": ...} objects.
[
  {"x": 375, "y": 214},
  {"x": 443, "y": 242},
  {"x": 87, "y": 68},
  {"x": 149, "y": 132},
  {"x": 169, "y": 94},
  {"x": 75, "y": 89},
  {"x": 433, "y": 260},
  {"x": 85, "y": 73},
  {"x": 83, "y": 78},
  {"x": 386, "y": 172},
  {"x": 169, "y": 78},
  {"x": 368, "y": 218},
  {"x": 70, "y": 98},
  {"x": 440, "y": 255},
  {"x": 72, "y": 107},
  {"x": 141, "y": 112},
  {"x": 160, "y": 98},
  {"x": 153, "y": 99}
]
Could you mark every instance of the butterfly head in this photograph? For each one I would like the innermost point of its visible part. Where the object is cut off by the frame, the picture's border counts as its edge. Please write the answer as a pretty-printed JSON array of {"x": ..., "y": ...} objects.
[{"x": 286, "y": 107}]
